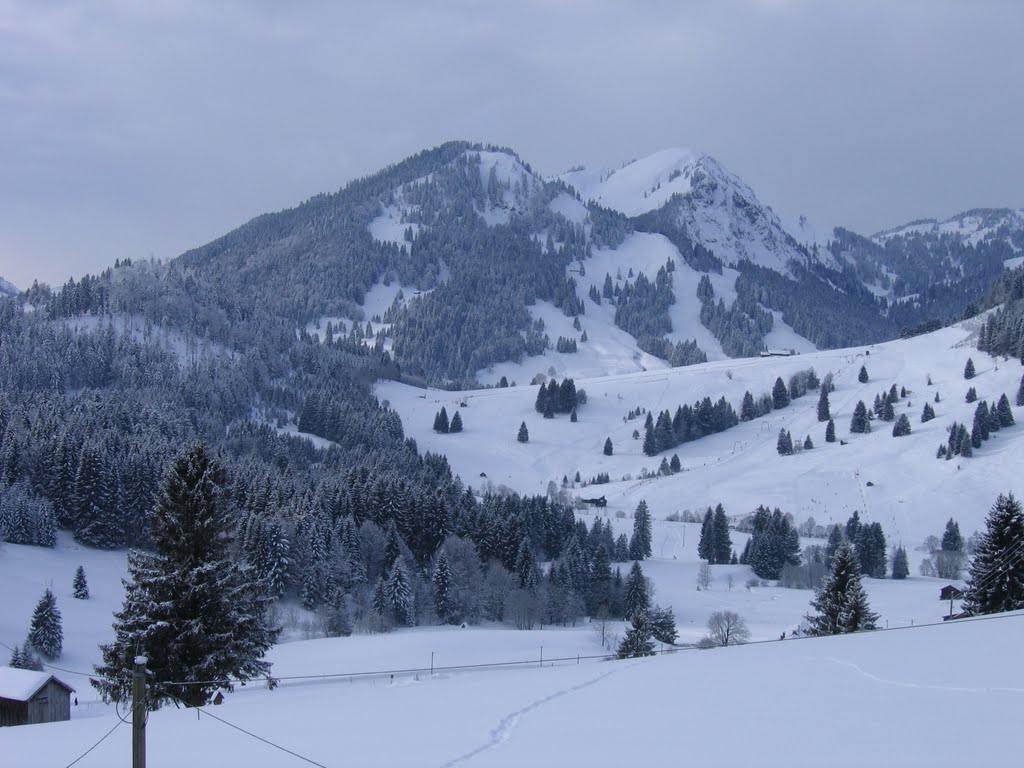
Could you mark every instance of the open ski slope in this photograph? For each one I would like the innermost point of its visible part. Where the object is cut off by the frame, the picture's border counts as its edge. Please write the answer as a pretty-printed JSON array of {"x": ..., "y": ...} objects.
[{"x": 895, "y": 481}]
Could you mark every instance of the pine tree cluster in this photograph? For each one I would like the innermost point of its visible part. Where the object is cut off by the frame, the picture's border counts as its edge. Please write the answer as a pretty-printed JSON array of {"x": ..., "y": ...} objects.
[
  {"x": 689, "y": 423},
  {"x": 715, "y": 546},
  {"x": 773, "y": 543},
  {"x": 558, "y": 397}
]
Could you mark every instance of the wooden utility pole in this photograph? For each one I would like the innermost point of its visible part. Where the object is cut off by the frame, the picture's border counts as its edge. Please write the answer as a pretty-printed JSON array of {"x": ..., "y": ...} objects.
[{"x": 139, "y": 713}]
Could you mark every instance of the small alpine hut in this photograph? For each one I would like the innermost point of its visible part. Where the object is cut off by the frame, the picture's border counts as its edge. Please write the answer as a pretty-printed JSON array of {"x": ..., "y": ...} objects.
[{"x": 28, "y": 697}]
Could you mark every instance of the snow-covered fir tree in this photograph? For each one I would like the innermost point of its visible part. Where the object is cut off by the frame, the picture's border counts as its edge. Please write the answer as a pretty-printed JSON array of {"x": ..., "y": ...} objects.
[
  {"x": 399, "y": 595},
  {"x": 900, "y": 567},
  {"x": 996, "y": 576},
  {"x": 46, "y": 633},
  {"x": 859, "y": 421},
  {"x": 444, "y": 601},
  {"x": 639, "y": 637},
  {"x": 456, "y": 423},
  {"x": 79, "y": 586},
  {"x": 640, "y": 542},
  {"x": 824, "y": 411},
  {"x": 23, "y": 658},
  {"x": 841, "y": 605},
  {"x": 637, "y": 595},
  {"x": 901, "y": 427},
  {"x": 194, "y": 612}
]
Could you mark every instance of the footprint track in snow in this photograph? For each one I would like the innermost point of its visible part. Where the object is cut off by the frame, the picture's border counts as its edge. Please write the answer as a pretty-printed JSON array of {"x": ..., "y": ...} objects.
[{"x": 503, "y": 731}]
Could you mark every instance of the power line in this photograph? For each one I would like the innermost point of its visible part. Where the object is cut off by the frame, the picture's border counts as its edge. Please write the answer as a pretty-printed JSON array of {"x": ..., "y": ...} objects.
[
  {"x": 251, "y": 734},
  {"x": 120, "y": 722},
  {"x": 46, "y": 664}
]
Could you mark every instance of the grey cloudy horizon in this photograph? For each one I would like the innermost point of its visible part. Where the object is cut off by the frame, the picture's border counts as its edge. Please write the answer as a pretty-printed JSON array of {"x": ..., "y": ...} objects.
[{"x": 134, "y": 129}]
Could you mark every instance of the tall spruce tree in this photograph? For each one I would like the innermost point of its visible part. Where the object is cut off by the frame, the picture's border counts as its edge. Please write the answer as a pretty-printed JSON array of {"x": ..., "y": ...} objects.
[
  {"x": 46, "y": 633},
  {"x": 928, "y": 413},
  {"x": 748, "y": 412},
  {"x": 969, "y": 369},
  {"x": 840, "y": 604},
  {"x": 780, "y": 394},
  {"x": 1020, "y": 393},
  {"x": 1004, "y": 411},
  {"x": 456, "y": 423},
  {"x": 859, "y": 421},
  {"x": 637, "y": 597},
  {"x": 824, "y": 412},
  {"x": 862, "y": 376},
  {"x": 722, "y": 548},
  {"x": 640, "y": 542},
  {"x": 441, "y": 421},
  {"x": 830, "y": 431},
  {"x": 784, "y": 443},
  {"x": 524, "y": 434},
  {"x": 444, "y": 601},
  {"x": 608, "y": 449},
  {"x": 399, "y": 595},
  {"x": 190, "y": 608},
  {"x": 996, "y": 576},
  {"x": 706, "y": 545},
  {"x": 900, "y": 567},
  {"x": 952, "y": 540}
]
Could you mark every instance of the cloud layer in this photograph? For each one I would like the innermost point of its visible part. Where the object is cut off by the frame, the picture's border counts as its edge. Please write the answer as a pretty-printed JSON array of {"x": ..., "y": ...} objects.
[{"x": 132, "y": 129}]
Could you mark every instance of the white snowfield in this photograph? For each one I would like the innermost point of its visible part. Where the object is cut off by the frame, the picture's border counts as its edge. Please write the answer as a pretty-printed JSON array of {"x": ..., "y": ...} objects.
[
  {"x": 895, "y": 481},
  {"x": 837, "y": 701},
  {"x": 873, "y": 699}
]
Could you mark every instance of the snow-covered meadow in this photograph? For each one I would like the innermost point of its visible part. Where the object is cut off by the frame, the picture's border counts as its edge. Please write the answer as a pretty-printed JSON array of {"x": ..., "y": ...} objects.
[{"x": 346, "y": 707}]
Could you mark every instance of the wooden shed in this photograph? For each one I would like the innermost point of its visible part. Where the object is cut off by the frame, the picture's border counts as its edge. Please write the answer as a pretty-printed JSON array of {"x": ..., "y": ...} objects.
[
  {"x": 28, "y": 697},
  {"x": 949, "y": 592}
]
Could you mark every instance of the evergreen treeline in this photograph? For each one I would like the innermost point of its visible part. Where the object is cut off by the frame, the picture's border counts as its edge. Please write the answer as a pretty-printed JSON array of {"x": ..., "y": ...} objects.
[
  {"x": 740, "y": 328},
  {"x": 688, "y": 423}
]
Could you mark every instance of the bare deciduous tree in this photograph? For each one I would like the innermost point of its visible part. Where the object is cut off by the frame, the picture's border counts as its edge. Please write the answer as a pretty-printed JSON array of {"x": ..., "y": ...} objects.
[
  {"x": 704, "y": 576},
  {"x": 727, "y": 628}
]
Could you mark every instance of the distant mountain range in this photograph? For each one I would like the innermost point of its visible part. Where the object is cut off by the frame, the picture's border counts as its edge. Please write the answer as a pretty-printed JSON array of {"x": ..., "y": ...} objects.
[
  {"x": 6, "y": 289},
  {"x": 462, "y": 261},
  {"x": 482, "y": 245}
]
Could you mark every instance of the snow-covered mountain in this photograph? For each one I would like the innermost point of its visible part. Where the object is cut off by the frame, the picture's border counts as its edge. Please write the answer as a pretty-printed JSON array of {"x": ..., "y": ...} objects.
[
  {"x": 709, "y": 202},
  {"x": 7, "y": 289},
  {"x": 970, "y": 227}
]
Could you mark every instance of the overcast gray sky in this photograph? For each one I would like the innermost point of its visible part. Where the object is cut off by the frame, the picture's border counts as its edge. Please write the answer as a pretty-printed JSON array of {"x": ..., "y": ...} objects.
[{"x": 134, "y": 128}]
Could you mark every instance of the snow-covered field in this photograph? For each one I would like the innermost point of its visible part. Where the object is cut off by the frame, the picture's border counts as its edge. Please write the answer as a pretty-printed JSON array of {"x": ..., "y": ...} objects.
[
  {"x": 895, "y": 481},
  {"x": 845, "y": 701},
  {"x": 797, "y": 702}
]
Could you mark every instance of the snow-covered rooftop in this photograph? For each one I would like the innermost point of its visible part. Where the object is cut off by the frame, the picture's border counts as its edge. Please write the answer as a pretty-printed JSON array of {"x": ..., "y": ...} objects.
[{"x": 22, "y": 684}]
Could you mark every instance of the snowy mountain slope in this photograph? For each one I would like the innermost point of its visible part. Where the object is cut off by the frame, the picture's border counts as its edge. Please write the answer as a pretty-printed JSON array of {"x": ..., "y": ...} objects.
[
  {"x": 508, "y": 186},
  {"x": 970, "y": 227},
  {"x": 7, "y": 289},
  {"x": 911, "y": 492},
  {"x": 714, "y": 206}
]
